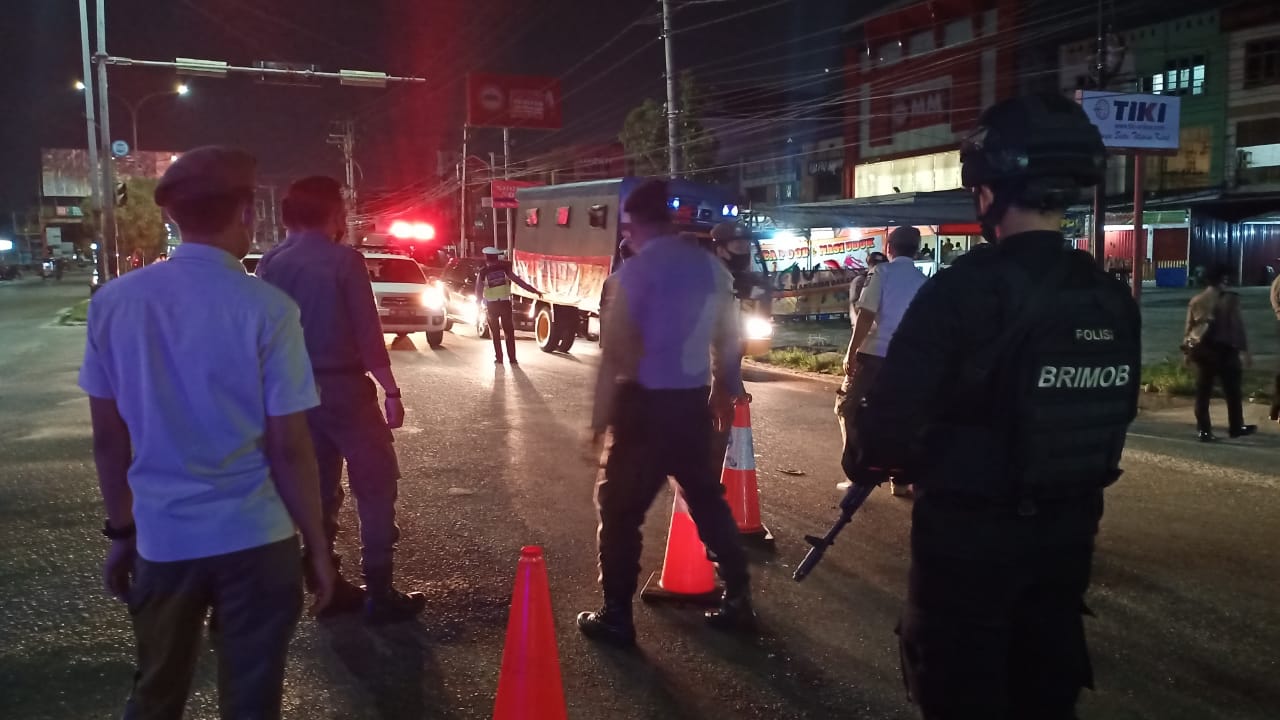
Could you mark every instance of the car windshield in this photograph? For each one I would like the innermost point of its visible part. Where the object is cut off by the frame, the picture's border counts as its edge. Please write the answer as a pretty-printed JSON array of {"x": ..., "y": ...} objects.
[
  {"x": 394, "y": 270},
  {"x": 250, "y": 264}
]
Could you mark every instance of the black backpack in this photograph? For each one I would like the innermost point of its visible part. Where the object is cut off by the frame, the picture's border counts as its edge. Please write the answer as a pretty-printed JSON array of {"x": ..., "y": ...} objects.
[{"x": 1063, "y": 379}]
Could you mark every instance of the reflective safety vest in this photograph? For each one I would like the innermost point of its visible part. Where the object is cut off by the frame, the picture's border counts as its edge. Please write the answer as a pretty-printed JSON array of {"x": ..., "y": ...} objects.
[{"x": 497, "y": 284}]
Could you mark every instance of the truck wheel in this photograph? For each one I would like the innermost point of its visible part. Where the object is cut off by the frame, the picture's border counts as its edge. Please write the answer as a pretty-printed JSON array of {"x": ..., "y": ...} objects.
[
  {"x": 545, "y": 330},
  {"x": 448, "y": 325},
  {"x": 435, "y": 339},
  {"x": 566, "y": 327}
]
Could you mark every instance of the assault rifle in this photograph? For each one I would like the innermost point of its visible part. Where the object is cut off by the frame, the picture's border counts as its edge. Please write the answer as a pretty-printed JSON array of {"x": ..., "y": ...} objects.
[{"x": 853, "y": 500}]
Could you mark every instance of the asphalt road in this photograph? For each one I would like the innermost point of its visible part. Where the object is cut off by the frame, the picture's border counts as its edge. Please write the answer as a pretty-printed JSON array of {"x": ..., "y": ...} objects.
[{"x": 1185, "y": 591}]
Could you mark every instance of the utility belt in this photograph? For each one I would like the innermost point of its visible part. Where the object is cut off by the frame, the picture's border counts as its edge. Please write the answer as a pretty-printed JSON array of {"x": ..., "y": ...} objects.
[
  {"x": 635, "y": 392},
  {"x": 339, "y": 370}
]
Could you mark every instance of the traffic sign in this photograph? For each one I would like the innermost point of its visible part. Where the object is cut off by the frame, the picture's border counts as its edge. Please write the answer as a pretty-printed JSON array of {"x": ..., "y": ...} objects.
[{"x": 119, "y": 148}]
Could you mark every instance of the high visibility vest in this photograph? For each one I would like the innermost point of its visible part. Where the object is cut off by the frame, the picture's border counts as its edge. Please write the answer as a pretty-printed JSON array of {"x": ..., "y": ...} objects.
[{"x": 497, "y": 285}]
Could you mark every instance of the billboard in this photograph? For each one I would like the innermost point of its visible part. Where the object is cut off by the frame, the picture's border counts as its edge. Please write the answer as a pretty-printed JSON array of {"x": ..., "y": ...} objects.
[
  {"x": 65, "y": 172},
  {"x": 503, "y": 192},
  {"x": 514, "y": 101},
  {"x": 1130, "y": 121}
]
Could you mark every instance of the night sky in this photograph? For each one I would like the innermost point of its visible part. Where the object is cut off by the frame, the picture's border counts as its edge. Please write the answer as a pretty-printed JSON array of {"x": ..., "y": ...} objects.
[{"x": 399, "y": 129}]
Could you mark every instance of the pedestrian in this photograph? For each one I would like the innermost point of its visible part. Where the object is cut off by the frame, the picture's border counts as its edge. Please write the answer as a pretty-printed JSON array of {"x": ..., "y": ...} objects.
[
  {"x": 860, "y": 281},
  {"x": 1006, "y": 396},
  {"x": 1216, "y": 343},
  {"x": 890, "y": 288},
  {"x": 1275, "y": 392},
  {"x": 669, "y": 373},
  {"x": 331, "y": 284},
  {"x": 493, "y": 285},
  {"x": 201, "y": 447}
]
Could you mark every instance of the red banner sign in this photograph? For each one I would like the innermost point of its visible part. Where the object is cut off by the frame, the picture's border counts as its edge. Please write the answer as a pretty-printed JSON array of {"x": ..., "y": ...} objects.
[
  {"x": 517, "y": 101},
  {"x": 504, "y": 192}
]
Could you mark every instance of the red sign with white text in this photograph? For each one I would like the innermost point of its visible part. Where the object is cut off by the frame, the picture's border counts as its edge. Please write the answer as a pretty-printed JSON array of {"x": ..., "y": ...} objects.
[
  {"x": 504, "y": 192},
  {"x": 514, "y": 101}
]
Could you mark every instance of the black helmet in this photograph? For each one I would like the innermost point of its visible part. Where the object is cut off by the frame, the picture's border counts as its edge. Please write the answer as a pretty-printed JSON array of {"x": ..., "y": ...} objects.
[{"x": 1045, "y": 140}]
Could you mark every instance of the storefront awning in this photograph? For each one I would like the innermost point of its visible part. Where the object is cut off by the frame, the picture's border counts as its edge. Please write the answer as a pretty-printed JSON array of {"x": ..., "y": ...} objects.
[{"x": 925, "y": 208}]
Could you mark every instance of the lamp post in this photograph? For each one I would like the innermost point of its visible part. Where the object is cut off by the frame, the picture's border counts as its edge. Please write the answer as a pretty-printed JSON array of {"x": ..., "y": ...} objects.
[{"x": 135, "y": 107}]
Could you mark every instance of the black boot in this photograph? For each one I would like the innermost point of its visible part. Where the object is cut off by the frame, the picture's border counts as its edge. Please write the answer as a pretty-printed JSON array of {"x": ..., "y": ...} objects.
[
  {"x": 735, "y": 612},
  {"x": 611, "y": 623},
  {"x": 384, "y": 604},
  {"x": 347, "y": 596}
]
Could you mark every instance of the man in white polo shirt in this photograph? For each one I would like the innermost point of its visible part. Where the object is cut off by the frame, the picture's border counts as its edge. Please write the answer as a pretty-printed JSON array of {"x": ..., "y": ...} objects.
[
  {"x": 198, "y": 384},
  {"x": 891, "y": 286}
]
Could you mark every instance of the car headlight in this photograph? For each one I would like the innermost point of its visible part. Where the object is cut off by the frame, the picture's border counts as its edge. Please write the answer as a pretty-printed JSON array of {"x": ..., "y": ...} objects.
[
  {"x": 755, "y": 327},
  {"x": 469, "y": 311},
  {"x": 433, "y": 299}
]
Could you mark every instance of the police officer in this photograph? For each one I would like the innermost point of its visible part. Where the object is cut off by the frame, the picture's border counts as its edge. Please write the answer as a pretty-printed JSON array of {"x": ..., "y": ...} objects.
[
  {"x": 1005, "y": 397},
  {"x": 493, "y": 285},
  {"x": 330, "y": 282},
  {"x": 669, "y": 370}
]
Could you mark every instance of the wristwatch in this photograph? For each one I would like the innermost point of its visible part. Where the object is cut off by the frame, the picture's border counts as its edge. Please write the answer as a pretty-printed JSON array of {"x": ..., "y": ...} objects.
[
  {"x": 393, "y": 394},
  {"x": 124, "y": 533}
]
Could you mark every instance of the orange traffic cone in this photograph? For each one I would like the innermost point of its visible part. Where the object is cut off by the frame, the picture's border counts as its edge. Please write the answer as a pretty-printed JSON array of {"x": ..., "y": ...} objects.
[
  {"x": 739, "y": 477},
  {"x": 687, "y": 575},
  {"x": 529, "y": 685}
]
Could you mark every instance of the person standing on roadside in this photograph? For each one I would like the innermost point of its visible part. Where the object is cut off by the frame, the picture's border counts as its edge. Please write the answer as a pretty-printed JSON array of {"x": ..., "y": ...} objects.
[
  {"x": 493, "y": 286},
  {"x": 669, "y": 371},
  {"x": 1275, "y": 392},
  {"x": 201, "y": 446},
  {"x": 1219, "y": 348},
  {"x": 330, "y": 282},
  {"x": 890, "y": 288}
]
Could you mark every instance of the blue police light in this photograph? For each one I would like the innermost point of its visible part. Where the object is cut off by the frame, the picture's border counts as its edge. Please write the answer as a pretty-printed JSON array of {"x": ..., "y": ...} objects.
[
  {"x": 729, "y": 211},
  {"x": 735, "y": 211},
  {"x": 675, "y": 203}
]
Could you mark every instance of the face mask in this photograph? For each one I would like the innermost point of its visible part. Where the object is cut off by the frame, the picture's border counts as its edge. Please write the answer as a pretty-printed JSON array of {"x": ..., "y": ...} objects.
[{"x": 738, "y": 263}]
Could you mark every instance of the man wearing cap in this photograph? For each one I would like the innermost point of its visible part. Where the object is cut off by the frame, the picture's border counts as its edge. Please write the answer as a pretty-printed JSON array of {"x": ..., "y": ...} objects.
[
  {"x": 669, "y": 370},
  {"x": 330, "y": 282},
  {"x": 890, "y": 288},
  {"x": 493, "y": 285},
  {"x": 202, "y": 451}
]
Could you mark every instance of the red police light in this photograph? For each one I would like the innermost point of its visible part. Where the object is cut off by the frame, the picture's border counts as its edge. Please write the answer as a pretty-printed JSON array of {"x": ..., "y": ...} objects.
[{"x": 405, "y": 230}]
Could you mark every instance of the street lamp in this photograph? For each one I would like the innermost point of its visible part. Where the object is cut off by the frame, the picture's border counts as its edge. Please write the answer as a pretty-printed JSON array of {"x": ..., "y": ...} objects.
[{"x": 135, "y": 107}]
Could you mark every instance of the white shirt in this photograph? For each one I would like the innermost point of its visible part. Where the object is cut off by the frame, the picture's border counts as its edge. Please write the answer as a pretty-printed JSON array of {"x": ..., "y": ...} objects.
[
  {"x": 196, "y": 355},
  {"x": 890, "y": 289}
]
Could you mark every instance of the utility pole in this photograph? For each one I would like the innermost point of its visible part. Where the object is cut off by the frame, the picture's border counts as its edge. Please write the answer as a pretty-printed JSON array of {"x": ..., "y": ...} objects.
[
  {"x": 343, "y": 134},
  {"x": 1100, "y": 190},
  {"x": 108, "y": 169},
  {"x": 462, "y": 194},
  {"x": 673, "y": 111},
  {"x": 506, "y": 174},
  {"x": 95, "y": 181},
  {"x": 275, "y": 218}
]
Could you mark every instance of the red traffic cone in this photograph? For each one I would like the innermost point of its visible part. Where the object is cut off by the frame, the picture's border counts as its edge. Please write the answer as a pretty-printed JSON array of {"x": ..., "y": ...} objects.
[
  {"x": 739, "y": 477},
  {"x": 529, "y": 685},
  {"x": 687, "y": 575}
]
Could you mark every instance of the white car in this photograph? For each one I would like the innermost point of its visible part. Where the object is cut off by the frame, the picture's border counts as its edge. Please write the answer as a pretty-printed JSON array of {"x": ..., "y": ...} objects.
[{"x": 407, "y": 301}]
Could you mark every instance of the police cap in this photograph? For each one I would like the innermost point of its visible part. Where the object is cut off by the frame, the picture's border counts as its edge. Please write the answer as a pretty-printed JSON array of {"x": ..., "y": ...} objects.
[
  {"x": 211, "y": 171},
  {"x": 1044, "y": 138}
]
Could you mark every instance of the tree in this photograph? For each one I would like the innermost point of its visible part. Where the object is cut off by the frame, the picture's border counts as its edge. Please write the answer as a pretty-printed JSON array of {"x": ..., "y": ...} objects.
[
  {"x": 139, "y": 221},
  {"x": 644, "y": 135}
]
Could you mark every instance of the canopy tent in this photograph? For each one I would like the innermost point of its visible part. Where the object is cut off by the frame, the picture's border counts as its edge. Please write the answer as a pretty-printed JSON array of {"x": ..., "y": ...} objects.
[{"x": 943, "y": 207}]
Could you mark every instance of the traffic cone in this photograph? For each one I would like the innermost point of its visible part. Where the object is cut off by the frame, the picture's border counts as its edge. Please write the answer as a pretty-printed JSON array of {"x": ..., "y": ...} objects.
[
  {"x": 687, "y": 575},
  {"x": 529, "y": 685},
  {"x": 739, "y": 477}
]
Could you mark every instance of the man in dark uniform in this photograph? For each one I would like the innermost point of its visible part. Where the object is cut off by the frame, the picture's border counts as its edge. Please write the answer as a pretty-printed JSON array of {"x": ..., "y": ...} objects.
[
  {"x": 330, "y": 282},
  {"x": 1005, "y": 397},
  {"x": 493, "y": 285},
  {"x": 669, "y": 370}
]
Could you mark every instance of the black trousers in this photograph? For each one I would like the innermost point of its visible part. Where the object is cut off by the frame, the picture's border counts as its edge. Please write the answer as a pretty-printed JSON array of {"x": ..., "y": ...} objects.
[
  {"x": 656, "y": 434},
  {"x": 993, "y": 627},
  {"x": 256, "y": 599},
  {"x": 1213, "y": 363},
  {"x": 1275, "y": 393},
  {"x": 502, "y": 324}
]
